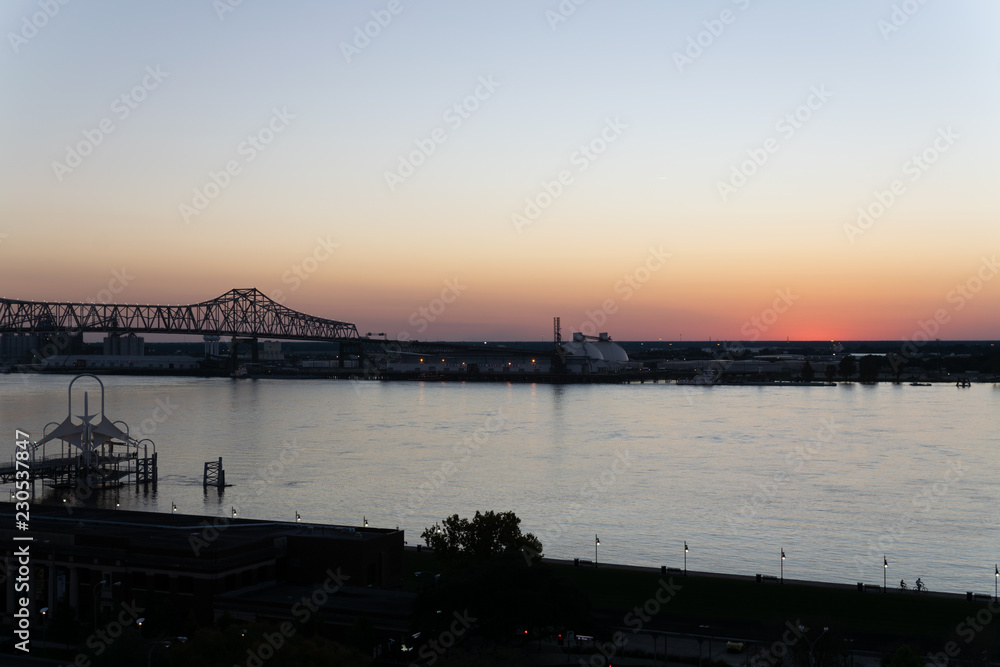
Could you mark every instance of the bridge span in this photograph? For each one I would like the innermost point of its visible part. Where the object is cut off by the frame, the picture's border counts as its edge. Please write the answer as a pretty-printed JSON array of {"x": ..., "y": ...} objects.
[{"x": 246, "y": 313}]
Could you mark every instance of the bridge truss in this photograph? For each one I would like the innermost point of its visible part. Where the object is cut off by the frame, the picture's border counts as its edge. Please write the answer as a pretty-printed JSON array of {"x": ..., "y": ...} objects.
[{"x": 239, "y": 312}]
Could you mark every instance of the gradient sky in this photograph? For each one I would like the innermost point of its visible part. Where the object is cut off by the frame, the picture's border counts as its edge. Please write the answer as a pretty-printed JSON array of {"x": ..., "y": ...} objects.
[{"x": 311, "y": 218}]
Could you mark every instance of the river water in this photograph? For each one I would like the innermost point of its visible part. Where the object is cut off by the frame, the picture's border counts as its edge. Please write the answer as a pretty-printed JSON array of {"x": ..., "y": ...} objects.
[{"x": 835, "y": 476}]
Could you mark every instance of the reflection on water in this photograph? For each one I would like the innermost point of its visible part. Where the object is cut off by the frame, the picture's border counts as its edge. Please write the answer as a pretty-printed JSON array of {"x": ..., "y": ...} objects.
[{"x": 836, "y": 476}]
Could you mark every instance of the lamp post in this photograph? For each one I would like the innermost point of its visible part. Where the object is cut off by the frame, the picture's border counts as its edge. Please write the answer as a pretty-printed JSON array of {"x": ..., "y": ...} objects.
[
  {"x": 43, "y": 611},
  {"x": 685, "y": 558},
  {"x": 94, "y": 598},
  {"x": 804, "y": 630},
  {"x": 782, "y": 566},
  {"x": 149, "y": 653},
  {"x": 996, "y": 578},
  {"x": 165, "y": 643},
  {"x": 885, "y": 570},
  {"x": 597, "y": 543}
]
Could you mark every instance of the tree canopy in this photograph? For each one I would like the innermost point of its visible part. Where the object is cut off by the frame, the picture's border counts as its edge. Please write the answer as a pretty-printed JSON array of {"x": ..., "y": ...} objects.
[
  {"x": 848, "y": 367},
  {"x": 807, "y": 371},
  {"x": 493, "y": 573},
  {"x": 869, "y": 367},
  {"x": 487, "y": 535}
]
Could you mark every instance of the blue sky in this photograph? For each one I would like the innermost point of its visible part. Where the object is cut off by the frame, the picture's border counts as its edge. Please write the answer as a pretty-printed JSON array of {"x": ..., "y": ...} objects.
[{"x": 226, "y": 73}]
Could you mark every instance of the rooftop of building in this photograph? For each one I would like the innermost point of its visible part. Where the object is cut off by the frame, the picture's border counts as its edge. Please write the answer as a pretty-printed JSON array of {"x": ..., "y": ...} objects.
[{"x": 153, "y": 531}]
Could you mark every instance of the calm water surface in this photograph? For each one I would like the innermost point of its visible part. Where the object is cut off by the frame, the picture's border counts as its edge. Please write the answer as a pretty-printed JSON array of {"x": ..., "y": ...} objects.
[{"x": 834, "y": 475}]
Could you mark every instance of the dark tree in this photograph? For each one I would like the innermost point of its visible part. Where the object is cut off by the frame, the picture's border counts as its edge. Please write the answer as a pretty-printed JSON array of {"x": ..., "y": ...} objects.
[
  {"x": 848, "y": 367},
  {"x": 869, "y": 368},
  {"x": 831, "y": 372},
  {"x": 896, "y": 362},
  {"x": 807, "y": 371},
  {"x": 493, "y": 576},
  {"x": 487, "y": 535}
]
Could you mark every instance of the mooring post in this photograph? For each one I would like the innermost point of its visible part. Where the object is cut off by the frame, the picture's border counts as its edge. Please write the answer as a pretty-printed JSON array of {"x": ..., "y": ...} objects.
[{"x": 214, "y": 474}]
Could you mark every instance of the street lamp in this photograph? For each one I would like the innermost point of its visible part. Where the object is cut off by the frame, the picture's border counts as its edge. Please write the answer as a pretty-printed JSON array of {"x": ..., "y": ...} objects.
[
  {"x": 685, "y": 558},
  {"x": 803, "y": 629},
  {"x": 885, "y": 569},
  {"x": 597, "y": 543},
  {"x": 149, "y": 654},
  {"x": 996, "y": 578},
  {"x": 365, "y": 520},
  {"x": 782, "y": 566},
  {"x": 812, "y": 644},
  {"x": 173, "y": 507},
  {"x": 43, "y": 611},
  {"x": 93, "y": 597},
  {"x": 298, "y": 517}
]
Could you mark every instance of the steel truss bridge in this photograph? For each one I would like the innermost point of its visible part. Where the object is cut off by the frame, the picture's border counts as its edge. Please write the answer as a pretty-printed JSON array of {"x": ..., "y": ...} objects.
[{"x": 245, "y": 313}]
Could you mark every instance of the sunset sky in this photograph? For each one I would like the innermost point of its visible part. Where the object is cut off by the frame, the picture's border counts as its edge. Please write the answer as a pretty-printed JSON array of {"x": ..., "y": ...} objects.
[{"x": 661, "y": 169}]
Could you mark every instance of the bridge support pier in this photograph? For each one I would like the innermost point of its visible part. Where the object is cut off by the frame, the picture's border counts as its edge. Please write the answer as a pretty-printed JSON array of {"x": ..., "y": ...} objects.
[
  {"x": 254, "y": 349},
  {"x": 351, "y": 352}
]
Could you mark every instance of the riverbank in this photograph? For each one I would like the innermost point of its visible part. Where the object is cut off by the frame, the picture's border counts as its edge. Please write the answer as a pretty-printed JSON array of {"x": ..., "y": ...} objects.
[{"x": 647, "y": 603}]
